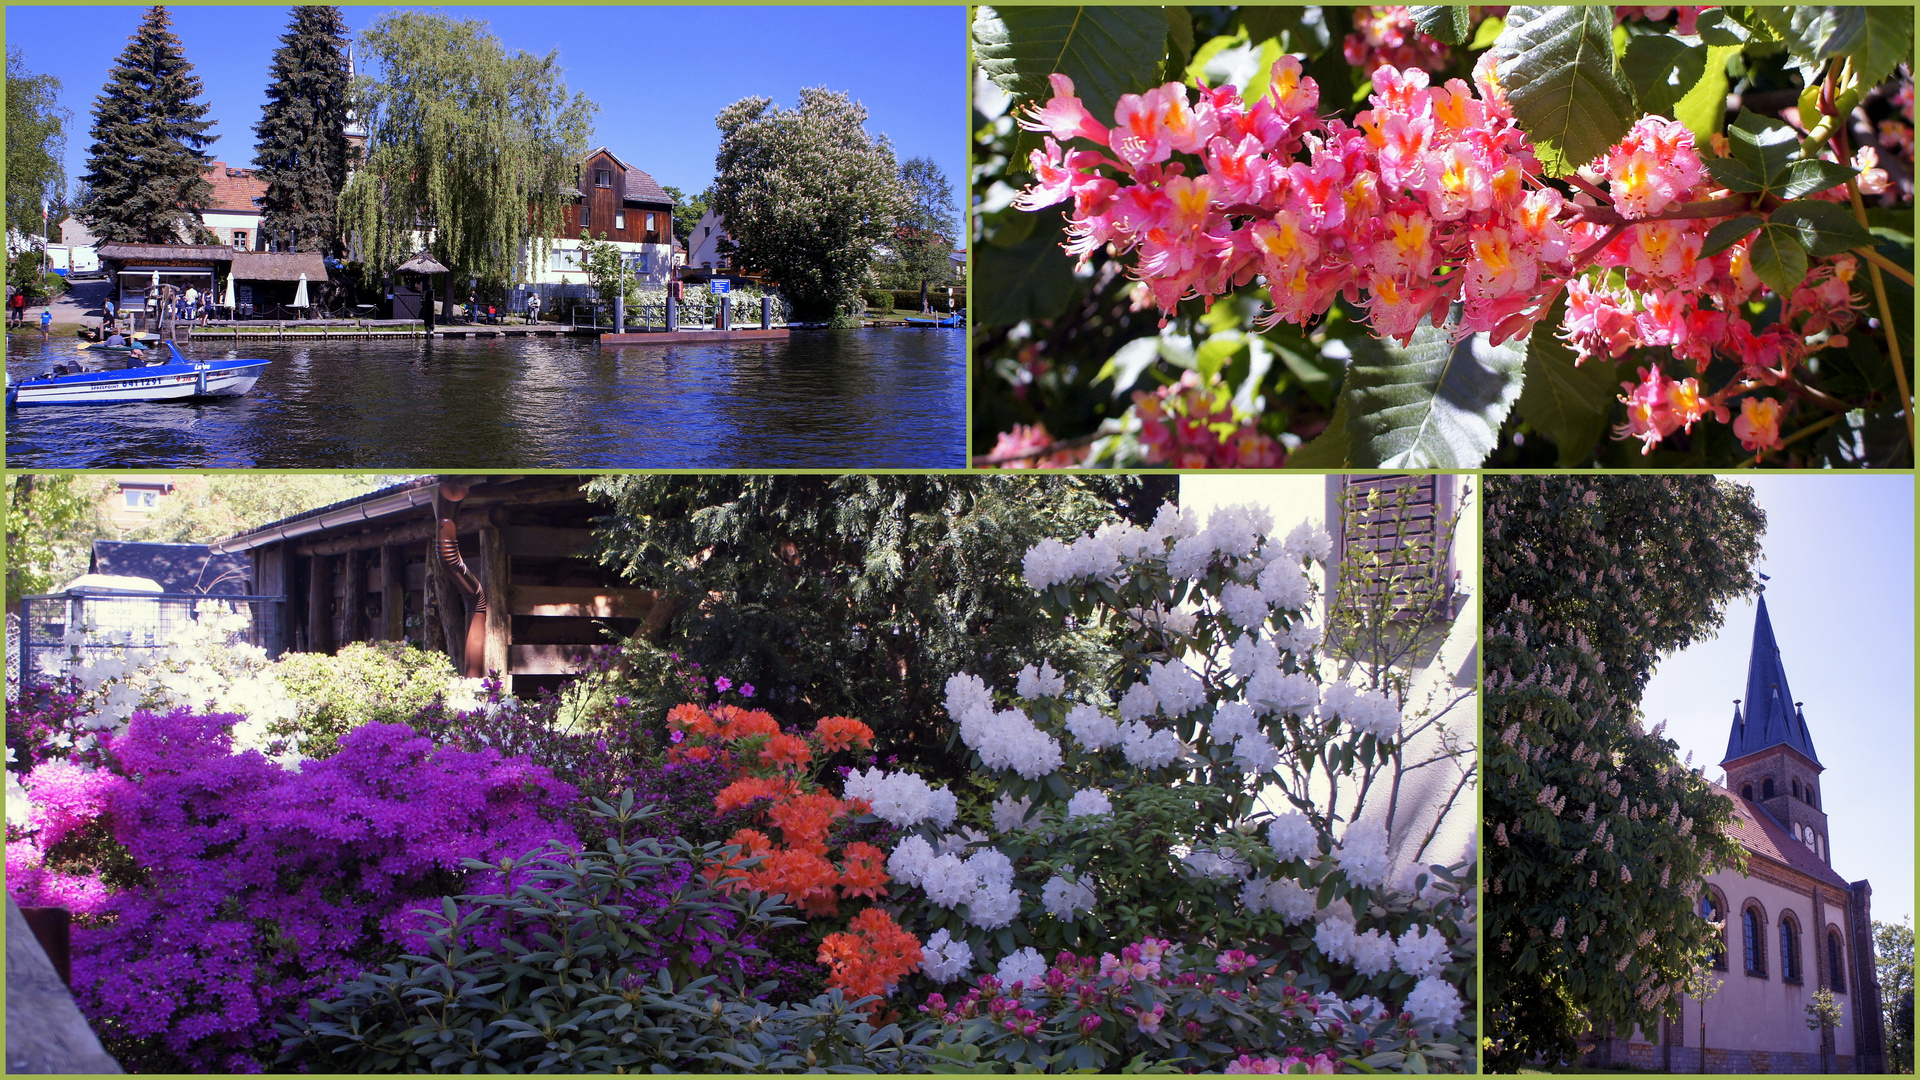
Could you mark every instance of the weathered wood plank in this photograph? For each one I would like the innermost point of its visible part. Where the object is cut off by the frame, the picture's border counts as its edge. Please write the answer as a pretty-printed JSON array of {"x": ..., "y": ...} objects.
[
  {"x": 393, "y": 593},
  {"x": 548, "y": 542},
  {"x": 550, "y": 659},
  {"x": 45, "y": 1031},
  {"x": 581, "y": 601},
  {"x": 494, "y": 575}
]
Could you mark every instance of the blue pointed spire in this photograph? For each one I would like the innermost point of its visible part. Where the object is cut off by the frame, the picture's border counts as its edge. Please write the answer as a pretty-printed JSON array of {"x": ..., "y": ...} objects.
[{"x": 1772, "y": 718}]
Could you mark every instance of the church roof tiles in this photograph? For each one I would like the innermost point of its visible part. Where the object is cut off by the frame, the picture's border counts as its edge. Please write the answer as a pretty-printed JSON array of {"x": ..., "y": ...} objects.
[
  {"x": 1763, "y": 836},
  {"x": 1771, "y": 717}
]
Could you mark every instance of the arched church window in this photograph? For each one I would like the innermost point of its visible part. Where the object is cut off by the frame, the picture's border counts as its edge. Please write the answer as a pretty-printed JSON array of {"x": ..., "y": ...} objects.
[
  {"x": 1836, "y": 969},
  {"x": 1746, "y": 792},
  {"x": 1796, "y": 787},
  {"x": 1753, "y": 928},
  {"x": 1714, "y": 910},
  {"x": 1766, "y": 788},
  {"x": 1813, "y": 797},
  {"x": 1789, "y": 950}
]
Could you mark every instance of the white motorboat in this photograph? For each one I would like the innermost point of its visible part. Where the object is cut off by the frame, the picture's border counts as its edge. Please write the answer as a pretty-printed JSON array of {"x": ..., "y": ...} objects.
[{"x": 175, "y": 379}]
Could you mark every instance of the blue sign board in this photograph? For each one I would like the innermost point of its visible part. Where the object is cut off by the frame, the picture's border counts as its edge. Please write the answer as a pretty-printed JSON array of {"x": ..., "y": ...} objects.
[{"x": 717, "y": 286}]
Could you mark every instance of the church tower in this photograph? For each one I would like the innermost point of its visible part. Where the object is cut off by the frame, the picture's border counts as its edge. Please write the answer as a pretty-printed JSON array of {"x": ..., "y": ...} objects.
[{"x": 1770, "y": 759}]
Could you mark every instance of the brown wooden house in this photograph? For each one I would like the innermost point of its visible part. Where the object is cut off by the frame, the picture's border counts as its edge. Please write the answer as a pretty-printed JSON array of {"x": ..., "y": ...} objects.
[
  {"x": 619, "y": 200},
  {"x": 517, "y": 592}
]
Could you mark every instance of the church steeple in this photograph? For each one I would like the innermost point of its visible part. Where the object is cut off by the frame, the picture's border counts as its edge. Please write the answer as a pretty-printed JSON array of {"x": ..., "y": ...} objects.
[
  {"x": 1770, "y": 759},
  {"x": 1773, "y": 718}
]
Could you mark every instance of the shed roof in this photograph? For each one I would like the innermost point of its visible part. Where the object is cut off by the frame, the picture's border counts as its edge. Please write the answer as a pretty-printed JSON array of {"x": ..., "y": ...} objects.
[
  {"x": 159, "y": 252},
  {"x": 279, "y": 266},
  {"x": 176, "y": 568}
]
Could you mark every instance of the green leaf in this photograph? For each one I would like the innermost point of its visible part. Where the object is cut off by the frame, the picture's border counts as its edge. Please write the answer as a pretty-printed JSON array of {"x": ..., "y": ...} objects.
[
  {"x": 1328, "y": 450},
  {"x": 1297, "y": 29},
  {"x": 1030, "y": 280},
  {"x": 1886, "y": 40},
  {"x": 1762, "y": 145},
  {"x": 1728, "y": 233},
  {"x": 1663, "y": 69},
  {"x": 1179, "y": 35},
  {"x": 1487, "y": 34},
  {"x": 1565, "y": 402},
  {"x": 1806, "y": 177},
  {"x": 1779, "y": 259},
  {"x": 1866, "y": 440},
  {"x": 1732, "y": 174},
  {"x": 1449, "y": 24},
  {"x": 1715, "y": 28},
  {"x": 1567, "y": 92},
  {"x": 1704, "y": 109},
  {"x": 1823, "y": 228},
  {"x": 1106, "y": 51},
  {"x": 1434, "y": 404},
  {"x": 1126, "y": 364}
]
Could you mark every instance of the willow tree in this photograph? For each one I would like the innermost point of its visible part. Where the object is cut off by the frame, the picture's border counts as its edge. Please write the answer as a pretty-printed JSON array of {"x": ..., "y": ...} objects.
[
  {"x": 807, "y": 195},
  {"x": 36, "y": 140},
  {"x": 471, "y": 150}
]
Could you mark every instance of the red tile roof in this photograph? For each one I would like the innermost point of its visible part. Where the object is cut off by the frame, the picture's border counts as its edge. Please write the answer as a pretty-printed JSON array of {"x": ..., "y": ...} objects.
[
  {"x": 1765, "y": 837},
  {"x": 233, "y": 189}
]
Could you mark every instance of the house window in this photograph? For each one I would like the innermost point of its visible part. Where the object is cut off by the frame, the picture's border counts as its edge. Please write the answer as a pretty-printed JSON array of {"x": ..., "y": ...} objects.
[
  {"x": 586, "y": 216},
  {"x": 1393, "y": 542},
  {"x": 653, "y": 223},
  {"x": 239, "y": 240},
  {"x": 1796, "y": 787},
  {"x": 620, "y": 219},
  {"x": 1714, "y": 910},
  {"x": 1836, "y": 970},
  {"x": 563, "y": 259},
  {"x": 1755, "y": 934},
  {"x": 602, "y": 178},
  {"x": 140, "y": 499},
  {"x": 1789, "y": 950}
]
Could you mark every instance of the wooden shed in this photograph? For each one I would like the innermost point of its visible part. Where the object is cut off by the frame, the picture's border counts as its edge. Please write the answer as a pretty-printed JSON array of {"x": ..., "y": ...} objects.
[{"x": 518, "y": 592}]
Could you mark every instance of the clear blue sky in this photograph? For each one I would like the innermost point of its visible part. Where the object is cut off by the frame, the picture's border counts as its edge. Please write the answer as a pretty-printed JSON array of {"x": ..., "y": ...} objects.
[
  {"x": 659, "y": 74},
  {"x": 1840, "y": 550}
]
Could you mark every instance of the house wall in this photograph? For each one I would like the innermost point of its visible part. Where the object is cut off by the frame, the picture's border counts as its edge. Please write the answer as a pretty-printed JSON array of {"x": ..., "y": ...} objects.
[
  {"x": 223, "y": 223},
  {"x": 704, "y": 242}
]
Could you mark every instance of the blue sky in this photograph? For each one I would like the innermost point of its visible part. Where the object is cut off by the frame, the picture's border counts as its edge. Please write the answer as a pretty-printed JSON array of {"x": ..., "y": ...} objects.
[
  {"x": 1840, "y": 552},
  {"x": 659, "y": 74}
]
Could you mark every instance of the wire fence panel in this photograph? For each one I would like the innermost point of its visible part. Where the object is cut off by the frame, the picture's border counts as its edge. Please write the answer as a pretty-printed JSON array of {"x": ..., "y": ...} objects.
[{"x": 58, "y": 634}]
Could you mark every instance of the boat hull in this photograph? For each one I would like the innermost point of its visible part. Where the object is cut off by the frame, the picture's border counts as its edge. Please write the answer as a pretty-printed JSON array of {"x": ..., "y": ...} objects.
[{"x": 166, "y": 382}]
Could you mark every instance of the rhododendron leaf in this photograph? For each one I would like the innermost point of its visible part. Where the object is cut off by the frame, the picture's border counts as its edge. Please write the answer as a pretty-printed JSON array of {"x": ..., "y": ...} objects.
[
  {"x": 1823, "y": 228},
  {"x": 1778, "y": 258},
  {"x": 1663, "y": 70},
  {"x": 1762, "y": 145},
  {"x": 1106, "y": 51},
  {"x": 1728, "y": 233},
  {"x": 1449, "y": 24},
  {"x": 1566, "y": 89},
  {"x": 1732, "y": 174},
  {"x": 1806, "y": 177},
  {"x": 1328, "y": 450},
  {"x": 1433, "y": 404}
]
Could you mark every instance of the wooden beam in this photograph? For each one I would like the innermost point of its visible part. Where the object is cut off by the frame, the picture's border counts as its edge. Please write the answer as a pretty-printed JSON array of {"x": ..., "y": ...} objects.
[
  {"x": 562, "y": 631},
  {"x": 353, "y": 622},
  {"x": 548, "y": 542},
  {"x": 393, "y": 593},
  {"x": 550, "y": 659},
  {"x": 319, "y": 603},
  {"x": 411, "y": 533},
  {"x": 581, "y": 601},
  {"x": 494, "y": 576}
]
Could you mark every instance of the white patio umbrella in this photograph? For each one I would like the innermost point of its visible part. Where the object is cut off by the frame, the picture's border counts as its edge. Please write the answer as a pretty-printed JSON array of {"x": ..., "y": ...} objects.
[
  {"x": 300, "y": 294},
  {"x": 228, "y": 302}
]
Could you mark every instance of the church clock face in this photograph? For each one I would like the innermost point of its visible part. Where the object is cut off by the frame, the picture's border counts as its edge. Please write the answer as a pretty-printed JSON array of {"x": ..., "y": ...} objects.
[{"x": 1812, "y": 844}]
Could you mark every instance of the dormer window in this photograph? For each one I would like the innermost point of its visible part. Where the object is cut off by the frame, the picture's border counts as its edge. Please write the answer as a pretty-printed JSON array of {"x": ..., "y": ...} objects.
[{"x": 603, "y": 178}]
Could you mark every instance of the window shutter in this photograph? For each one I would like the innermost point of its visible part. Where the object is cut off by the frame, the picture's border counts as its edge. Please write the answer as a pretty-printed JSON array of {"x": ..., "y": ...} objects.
[{"x": 1399, "y": 519}]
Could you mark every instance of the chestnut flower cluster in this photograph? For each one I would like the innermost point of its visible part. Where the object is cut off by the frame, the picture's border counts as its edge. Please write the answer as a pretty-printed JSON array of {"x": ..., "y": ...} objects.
[{"x": 1430, "y": 207}]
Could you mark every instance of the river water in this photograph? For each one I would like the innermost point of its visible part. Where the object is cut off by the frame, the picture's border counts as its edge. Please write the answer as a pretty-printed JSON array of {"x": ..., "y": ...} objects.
[{"x": 852, "y": 399}]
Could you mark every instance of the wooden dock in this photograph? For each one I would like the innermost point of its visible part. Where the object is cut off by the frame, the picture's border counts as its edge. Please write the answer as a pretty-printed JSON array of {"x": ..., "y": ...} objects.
[
  {"x": 692, "y": 337},
  {"x": 370, "y": 329}
]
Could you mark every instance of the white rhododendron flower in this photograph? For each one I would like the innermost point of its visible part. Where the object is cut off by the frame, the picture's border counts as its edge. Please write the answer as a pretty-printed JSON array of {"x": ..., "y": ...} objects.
[
  {"x": 944, "y": 959},
  {"x": 1046, "y": 564},
  {"x": 1146, "y": 748},
  {"x": 1309, "y": 541},
  {"x": 1216, "y": 865},
  {"x": 1026, "y": 966},
  {"x": 1138, "y": 702},
  {"x": 1292, "y": 836},
  {"x": 1371, "y": 712},
  {"x": 1422, "y": 952},
  {"x": 1363, "y": 853},
  {"x": 1255, "y": 754},
  {"x": 1232, "y": 721},
  {"x": 1009, "y": 815},
  {"x": 901, "y": 798},
  {"x": 1063, "y": 894},
  {"x": 910, "y": 859},
  {"x": 1095, "y": 729},
  {"x": 1088, "y": 803},
  {"x": 1176, "y": 687},
  {"x": 1283, "y": 896},
  {"x": 1299, "y": 637},
  {"x": 1245, "y": 605},
  {"x": 1372, "y": 952},
  {"x": 1435, "y": 999},
  {"x": 1334, "y": 937},
  {"x": 1284, "y": 585},
  {"x": 1040, "y": 682}
]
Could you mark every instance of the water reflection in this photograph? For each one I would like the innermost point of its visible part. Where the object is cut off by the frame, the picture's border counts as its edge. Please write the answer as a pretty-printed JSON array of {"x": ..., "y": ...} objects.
[{"x": 822, "y": 399}]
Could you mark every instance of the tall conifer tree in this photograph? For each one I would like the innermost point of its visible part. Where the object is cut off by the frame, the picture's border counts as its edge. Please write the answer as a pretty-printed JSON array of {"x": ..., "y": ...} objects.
[
  {"x": 303, "y": 151},
  {"x": 145, "y": 169}
]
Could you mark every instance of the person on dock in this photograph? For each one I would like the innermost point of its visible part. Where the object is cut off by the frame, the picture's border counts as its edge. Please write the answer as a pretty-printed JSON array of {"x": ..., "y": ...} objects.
[
  {"x": 46, "y": 322},
  {"x": 107, "y": 313},
  {"x": 533, "y": 308},
  {"x": 17, "y": 312}
]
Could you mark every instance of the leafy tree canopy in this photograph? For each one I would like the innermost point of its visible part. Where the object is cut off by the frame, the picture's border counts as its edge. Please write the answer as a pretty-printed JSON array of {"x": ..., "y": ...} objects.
[
  {"x": 302, "y": 150},
  {"x": 1893, "y": 957},
  {"x": 925, "y": 236},
  {"x": 146, "y": 165},
  {"x": 463, "y": 137},
  {"x": 36, "y": 141},
  {"x": 1600, "y": 837},
  {"x": 687, "y": 211},
  {"x": 807, "y": 194},
  {"x": 853, "y": 595}
]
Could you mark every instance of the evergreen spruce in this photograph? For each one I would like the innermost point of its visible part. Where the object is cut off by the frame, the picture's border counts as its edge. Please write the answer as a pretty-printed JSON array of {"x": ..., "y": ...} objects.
[
  {"x": 145, "y": 169},
  {"x": 302, "y": 150}
]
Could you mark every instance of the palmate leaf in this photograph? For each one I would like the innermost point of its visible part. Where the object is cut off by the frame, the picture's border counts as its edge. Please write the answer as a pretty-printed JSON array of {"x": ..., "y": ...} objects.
[
  {"x": 1568, "y": 94},
  {"x": 1434, "y": 404},
  {"x": 1663, "y": 70},
  {"x": 1106, "y": 51},
  {"x": 1566, "y": 402},
  {"x": 1032, "y": 279},
  {"x": 1449, "y": 24}
]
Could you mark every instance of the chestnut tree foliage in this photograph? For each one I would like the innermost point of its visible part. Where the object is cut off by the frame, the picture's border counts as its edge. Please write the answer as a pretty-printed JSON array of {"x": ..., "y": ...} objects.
[
  {"x": 1598, "y": 837},
  {"x": 1442, "y": 237}
]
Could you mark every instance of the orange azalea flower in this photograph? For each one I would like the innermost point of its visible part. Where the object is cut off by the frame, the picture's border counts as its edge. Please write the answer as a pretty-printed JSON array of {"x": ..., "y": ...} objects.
[
  {"x": 693, "y": 720},
  {"x": 804, "y": 819},
  {"x": 786, "y": 750},
  {"x": 843, "y": 733},
  {"x": 745, "y": 790},
  {"x": 737, "y": 723},
  {"x": 871, "y": 957},
  {"x": 864, "y": 872},
  {"x": 677, "y": 754},
  {"x": 806, "y": 878}
]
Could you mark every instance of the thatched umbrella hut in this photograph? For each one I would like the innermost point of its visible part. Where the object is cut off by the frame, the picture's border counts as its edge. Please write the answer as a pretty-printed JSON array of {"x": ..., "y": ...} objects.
[{"x": 426, "y": 266}]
